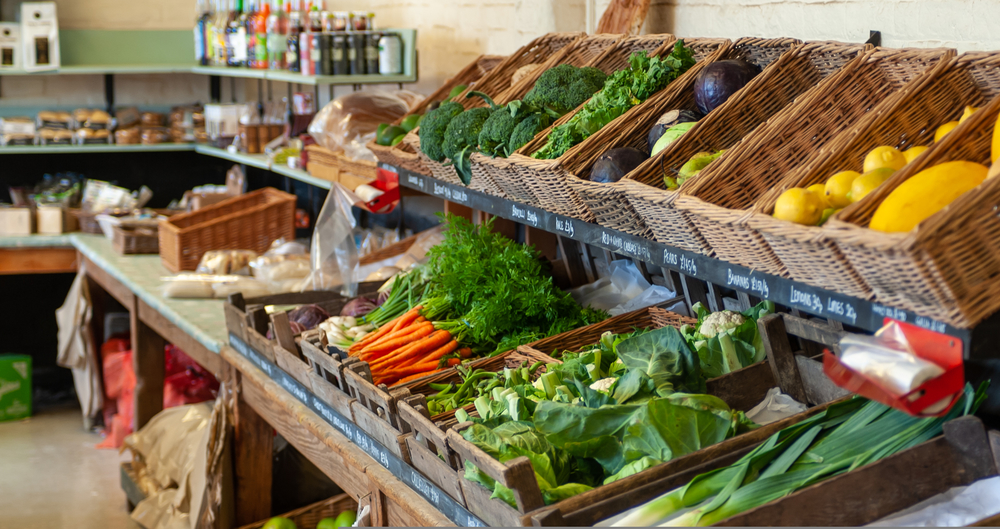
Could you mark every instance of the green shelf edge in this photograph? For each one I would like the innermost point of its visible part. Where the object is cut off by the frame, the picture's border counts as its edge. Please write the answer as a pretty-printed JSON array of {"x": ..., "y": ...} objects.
[{"x": 54, "y": 149}]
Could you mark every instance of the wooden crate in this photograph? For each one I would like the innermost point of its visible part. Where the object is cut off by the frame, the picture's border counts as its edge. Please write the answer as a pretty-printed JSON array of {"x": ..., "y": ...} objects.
[
  {"x": 742, "y": 389},
  {"x": 375, "y": 408},
  {"x": 326, "y": 376},
  {"x": 309, "y": 516},
  {"x": 248, "y": 320}
]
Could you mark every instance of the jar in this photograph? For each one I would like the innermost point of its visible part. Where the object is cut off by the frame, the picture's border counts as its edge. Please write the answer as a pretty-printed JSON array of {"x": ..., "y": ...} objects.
[
  {"x": 371, "y": 51},
  {"x": 390, "y": 54}
]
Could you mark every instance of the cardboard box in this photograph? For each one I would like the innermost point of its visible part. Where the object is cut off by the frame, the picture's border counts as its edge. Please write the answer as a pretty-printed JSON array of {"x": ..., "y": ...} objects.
[
  {"x": 16, "y": 220},
  {"x": 15, "y": 387}
]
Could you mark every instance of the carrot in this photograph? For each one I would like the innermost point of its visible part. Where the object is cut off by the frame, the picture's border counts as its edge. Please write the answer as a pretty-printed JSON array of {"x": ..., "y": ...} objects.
[
  {"x": 393, "y": 335},
  {"x": 418, "y": 359},
  {"x": 391, "y": 326},
  {"x": 440, "y": 339},
  {"x": 454, "y": 362},
  {"x": 408, "y": 335},
  {"x": 401, "y": 372},
  {"x": 465, "y": 352},
  {"x": 414, "y": 377}
]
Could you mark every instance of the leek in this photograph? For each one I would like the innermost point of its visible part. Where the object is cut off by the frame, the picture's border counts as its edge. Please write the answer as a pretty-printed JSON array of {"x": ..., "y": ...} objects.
[{"x": 844, "y": 437}]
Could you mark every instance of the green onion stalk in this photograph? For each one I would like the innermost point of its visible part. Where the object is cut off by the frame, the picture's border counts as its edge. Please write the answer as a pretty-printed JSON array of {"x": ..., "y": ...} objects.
[
  {"x": 407, "y": 292},
  {"x": 845, "y": 436}
]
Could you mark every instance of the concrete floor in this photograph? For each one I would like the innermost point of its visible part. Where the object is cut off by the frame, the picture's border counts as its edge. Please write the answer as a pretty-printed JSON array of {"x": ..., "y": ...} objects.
[{"x": 51, "y": 476}]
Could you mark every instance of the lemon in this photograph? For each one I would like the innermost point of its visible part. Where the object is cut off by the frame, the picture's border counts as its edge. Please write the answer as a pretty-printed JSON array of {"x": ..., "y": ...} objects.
[
  {"x": 926, "y": 193},
  {"x": 837, "y": 188},
  {"x": 969, "y": 110},
  {"x": 800, "y": 206},
  {"x": 912, "y": 153},
  {"x": 944, "y": 129},
  {"x": 820, "y": 191},
  {"x": 868, "y": 182},
  {"x": 884, "y": 156}
]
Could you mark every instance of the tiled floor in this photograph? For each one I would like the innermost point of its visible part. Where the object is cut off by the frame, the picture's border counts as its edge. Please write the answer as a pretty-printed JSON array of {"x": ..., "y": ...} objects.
[{"x": 52, "y": 477}]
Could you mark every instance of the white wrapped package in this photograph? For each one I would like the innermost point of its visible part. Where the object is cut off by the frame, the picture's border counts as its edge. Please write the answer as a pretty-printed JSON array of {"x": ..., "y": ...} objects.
[
  {"x": 895, "y": 371},
  {"x": 958, "y": 507}
]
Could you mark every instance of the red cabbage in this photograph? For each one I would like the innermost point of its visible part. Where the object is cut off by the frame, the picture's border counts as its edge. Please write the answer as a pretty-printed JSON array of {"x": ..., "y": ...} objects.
[
  {"x": 308, "y": 316},
  {"x": 358, "y": 307}
]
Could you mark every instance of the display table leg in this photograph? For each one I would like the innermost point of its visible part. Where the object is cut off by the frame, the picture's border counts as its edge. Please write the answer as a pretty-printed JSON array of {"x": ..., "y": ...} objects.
[
  {"x": 252, "y": 448},
  {"x": 148, "y": 362}
]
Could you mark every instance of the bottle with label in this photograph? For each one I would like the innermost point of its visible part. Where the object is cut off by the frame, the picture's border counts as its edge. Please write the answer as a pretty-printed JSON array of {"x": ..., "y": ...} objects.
[
  {"x": 292, "y": 47},
  {"x": 315, "y": 19},
  {"x": 219, "y": 33},
  {"x": 202, "y": 50},
  {"x": 260, "y": 28},
  {"x": 236, "y": 36},
  {"x": 371, "y": 51},
  {"x": 246, "y": 21},
  {"x": 390, "y": 54},
  {"x": 277, "y": 36}
]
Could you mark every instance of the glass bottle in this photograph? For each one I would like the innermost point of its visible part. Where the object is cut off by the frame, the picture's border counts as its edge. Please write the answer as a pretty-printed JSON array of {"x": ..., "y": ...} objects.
[
  {"x": 277, "y": 36},
  {"x": 260, "y": 28}
]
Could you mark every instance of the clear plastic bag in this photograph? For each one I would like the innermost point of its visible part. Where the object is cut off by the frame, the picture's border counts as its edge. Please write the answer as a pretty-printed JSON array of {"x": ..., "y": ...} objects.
[
  {"x": 334, "y": 252},
  {"x": 350, "y": 117}
]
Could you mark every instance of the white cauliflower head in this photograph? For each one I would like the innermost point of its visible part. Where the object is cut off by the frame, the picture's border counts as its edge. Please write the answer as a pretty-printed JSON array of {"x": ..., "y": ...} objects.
[
  {"x": 603, "y": 385},
  {"x": 717, "y": 322}
]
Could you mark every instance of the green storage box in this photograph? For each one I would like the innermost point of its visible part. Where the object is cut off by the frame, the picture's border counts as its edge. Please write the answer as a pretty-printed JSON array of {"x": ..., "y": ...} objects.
[{"x": 15, "y": 387}]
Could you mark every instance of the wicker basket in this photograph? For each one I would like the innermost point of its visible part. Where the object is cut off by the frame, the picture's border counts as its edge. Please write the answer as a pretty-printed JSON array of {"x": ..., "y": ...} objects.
[
  {"x": 135, "y": 241},
  {"x": 908, "y": 118},
  {"x": 309, "y": 516},
  {"x": 947, "y": 267},
  {"x": 718, "y": 203},
  {"x": 394, "y": 249},
  {"x": 582, "y": 52},
  {"x": 247, "y": 222},
  {"x": 549, "y": 179},
  {"x": 466, "y": 76},
  {"x": 547, "y": 48},
  {"x": 640, "y": 205}
]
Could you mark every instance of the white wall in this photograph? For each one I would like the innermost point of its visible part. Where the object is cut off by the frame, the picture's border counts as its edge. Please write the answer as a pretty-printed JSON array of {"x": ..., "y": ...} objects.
[{"x": 453, "y": 32}]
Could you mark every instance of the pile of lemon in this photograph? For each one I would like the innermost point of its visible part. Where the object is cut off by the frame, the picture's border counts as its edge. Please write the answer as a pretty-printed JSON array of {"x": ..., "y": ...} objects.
[{"x": 812, "y": 206}]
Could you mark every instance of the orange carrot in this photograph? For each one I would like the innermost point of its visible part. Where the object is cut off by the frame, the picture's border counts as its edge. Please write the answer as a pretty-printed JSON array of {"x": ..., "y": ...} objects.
[
  {"x": 414, "y": 377},
  {"x": 440, "y": 339},
  {"x": 391, "y": 326},
  {"x": 401, "y": 372},
  {"x": 465, "y": 352},
  {"x": 392, "y": 335},
  {"x": 419, "y": 359},
  {"x": 454, "y": 362},
  {"x": 407, "y": 335}
]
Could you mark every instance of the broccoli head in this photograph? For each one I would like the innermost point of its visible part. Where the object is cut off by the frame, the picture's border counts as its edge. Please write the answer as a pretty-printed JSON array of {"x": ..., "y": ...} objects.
[
  {"x": 526, "y": 130},
  {"x": 463, "y": 131},
  {"x": 433, "y": 127},
  {"x": 563, "y": 88},
  {"x": 496, "y": 132}
]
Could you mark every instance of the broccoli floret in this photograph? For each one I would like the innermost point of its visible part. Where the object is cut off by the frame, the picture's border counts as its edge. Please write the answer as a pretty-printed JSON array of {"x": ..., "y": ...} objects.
[
  {"x": 563, "y": 88},
  {"x": 463, "y": 131},
  {"x": 433, "y": 127},
  {"x": 526, "y": 130},
  {"x": 496, "y": 132}
]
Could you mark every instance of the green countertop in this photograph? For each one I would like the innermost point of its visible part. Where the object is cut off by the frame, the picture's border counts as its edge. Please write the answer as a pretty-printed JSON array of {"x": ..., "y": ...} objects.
[
  {"x": 36, "y": 241},
  {"x": 203, "y": 319}
]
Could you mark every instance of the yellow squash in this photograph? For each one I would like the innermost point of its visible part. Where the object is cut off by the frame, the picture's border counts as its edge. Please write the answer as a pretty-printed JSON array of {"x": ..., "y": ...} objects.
[
  {"x": 926, "y": 193},
  {"x": 995, "y": 153}
]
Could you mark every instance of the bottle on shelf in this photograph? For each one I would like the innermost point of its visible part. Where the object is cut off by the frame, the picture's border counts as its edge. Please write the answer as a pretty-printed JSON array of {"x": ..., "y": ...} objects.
[
  {"x": 277, "y": 36},
  {"x": 260, "y": 29},
  {"x": 246, "y": 22},
  {"x": 292, "y": 44},
  {"x": 218, "y": 33},
  {"x": 316, "y": 18},
  {"x": 236, "y": 35},
  {"x": 202, "y": 46}
]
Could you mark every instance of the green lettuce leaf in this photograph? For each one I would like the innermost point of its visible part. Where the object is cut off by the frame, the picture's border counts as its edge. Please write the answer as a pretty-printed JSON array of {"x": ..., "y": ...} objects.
[
  {"x": 665, "y": 430},
  {"x": 664, "y": 356}
]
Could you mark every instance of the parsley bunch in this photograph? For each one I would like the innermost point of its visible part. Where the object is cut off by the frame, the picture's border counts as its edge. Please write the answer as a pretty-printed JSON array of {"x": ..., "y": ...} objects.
[
  {"x": 497, "y": 292},
  {"x": 623, "y": 90}
]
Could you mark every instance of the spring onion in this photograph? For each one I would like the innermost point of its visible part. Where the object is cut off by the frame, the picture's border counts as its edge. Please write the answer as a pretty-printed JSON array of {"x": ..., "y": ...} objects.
[{"x": 845, "y": 436}]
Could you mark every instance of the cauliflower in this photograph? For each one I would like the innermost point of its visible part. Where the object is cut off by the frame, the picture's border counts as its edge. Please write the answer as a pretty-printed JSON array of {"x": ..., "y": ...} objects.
[
  {"x": 603, "y": 385},
  {"x": 718, "y": 322}
]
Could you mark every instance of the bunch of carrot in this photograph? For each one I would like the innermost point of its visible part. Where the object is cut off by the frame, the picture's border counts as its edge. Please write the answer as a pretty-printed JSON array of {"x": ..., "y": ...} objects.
[{"x": 407, "y": 348}]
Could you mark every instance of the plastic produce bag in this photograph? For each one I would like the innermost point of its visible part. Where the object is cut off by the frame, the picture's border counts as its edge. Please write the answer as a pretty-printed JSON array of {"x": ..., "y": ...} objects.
[
  {"x": 351, "y": 116},
  {"x": 624, "y": 290},
  {"x": 333, "y": 253},
  {"x": 775, "y": 406},
  {"x": 958, "y": 507}
]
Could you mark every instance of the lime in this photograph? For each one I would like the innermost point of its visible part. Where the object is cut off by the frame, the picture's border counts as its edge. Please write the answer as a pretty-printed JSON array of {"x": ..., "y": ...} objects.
[{"x": 279, "y": 522}]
